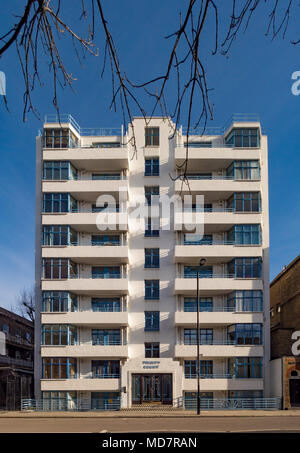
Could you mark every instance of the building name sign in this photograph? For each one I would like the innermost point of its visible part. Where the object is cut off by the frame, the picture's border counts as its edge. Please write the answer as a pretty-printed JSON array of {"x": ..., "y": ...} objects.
[{"x": 153, "y": 364}]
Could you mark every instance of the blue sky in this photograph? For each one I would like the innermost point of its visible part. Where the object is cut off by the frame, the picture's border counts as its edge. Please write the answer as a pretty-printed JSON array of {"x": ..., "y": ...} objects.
[{"x": 254, "y": 78}]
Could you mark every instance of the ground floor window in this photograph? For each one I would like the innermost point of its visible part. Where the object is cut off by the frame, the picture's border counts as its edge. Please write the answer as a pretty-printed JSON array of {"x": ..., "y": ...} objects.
[
  {"x": 190, "y": 399},
  {"x": 59, "y": 401},
  {"x": 105, "y": 400}
]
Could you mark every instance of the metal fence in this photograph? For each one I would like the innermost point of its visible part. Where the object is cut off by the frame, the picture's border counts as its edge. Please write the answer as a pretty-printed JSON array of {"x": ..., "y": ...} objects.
[{"x": 85, "y": 404}]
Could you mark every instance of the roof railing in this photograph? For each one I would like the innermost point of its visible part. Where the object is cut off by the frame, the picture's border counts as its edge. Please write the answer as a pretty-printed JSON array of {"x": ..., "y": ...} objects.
[{"x": 82, "y": 131}]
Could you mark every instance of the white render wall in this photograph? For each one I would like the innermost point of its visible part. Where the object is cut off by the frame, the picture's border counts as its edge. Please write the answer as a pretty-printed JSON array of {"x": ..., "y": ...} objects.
[{"x": 173, "y": 287}]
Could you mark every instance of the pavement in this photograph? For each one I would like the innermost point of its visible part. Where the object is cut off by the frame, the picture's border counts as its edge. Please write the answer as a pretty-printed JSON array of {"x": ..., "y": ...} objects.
[{"x": 130, "y": 413}]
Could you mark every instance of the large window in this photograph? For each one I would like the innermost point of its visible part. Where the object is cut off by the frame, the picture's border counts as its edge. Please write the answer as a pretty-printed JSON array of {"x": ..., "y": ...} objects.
[
  {"x": 106, "y": 369},
  {"x": 244, "y": 169},
  {"x": 246, "y": 367},
  {"x": 245, "y": 268},
  {"x": 106, "y": 272},
  {"x": 59, "y": 401},
  {"x": 243, "y": 137},
  {"x": 59, "y": 268},
  {"x": 58, "y": 301},
  {"x": 59, "y": 170},
  {"x": 151, "y": 321},
  {"x": 203, "y": 271},
  {"x": 205, "y": 337},
  {"x": 106, "y": 304},
  {"x": 190, "y": 369},
  {"x": 152, "y": 258},
  {"x": 245, "y": 234},
  {"x": 151, "y": 350},
  {"x": 152, "y": 194},
  {"x": 152, "y": 289},
  {"x": 59, "y": 138},
  {"x": 245, "y": 202},
  {"x": 105, "y": 401},
  {"x": 109, "y": 337},
  {"x": 59, "y": 202},
  {"x": 59, "y": 235},
  {"x": 251, "y": 300},
  {"x": 205, "y": 304},
  {"x": 59, "y": 368},
  {"x": 247, "y": 334},
  {"x": 59, "y": 334},
  {"x": 152, "y": 166},
  {"x": 151, "y": 136},
  {"x": 246, "y": 394}
]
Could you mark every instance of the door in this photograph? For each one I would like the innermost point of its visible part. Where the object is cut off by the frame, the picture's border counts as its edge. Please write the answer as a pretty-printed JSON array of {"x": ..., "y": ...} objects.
[
  {"x": 295, "y": 392},
  {"x": 152, "y": 388}
]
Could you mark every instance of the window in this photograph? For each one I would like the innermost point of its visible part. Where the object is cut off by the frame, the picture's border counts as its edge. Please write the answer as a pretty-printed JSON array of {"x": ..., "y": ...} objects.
[
  {"x": 190, "y": 400},
  {"x": 245, "y": 268},
  {"x": 272, "y": 312},
  {"x": 59, "y": 235},
  {"x": 59, "y": 202},
  {"x": 152, "y": 191},
  {"x": 58, "y": 301},
  {"x": 151, "y": 136},
  {"x": 151, "y": 350},
  {"x": 59, "y": 268},
  {"x": 59, "y": 138},
  {"x": 152, "y": 166},
  {"x": 190, "y": 336},
  {"x": 109, "y": 337},
  {"x": 59, "y": 170},
  {"x": 250, "y": 334},
  {"x": 105, "y": 239},
  {"x": 246, "y": 394},
  {"x": 151, "y": 289},
  {"x": 105, "y": 401},
  {"x": 59, "y": 401},
  {"x": 245, "y": 202},
  {"x": 28, "y": 337},
  {"x": 149, "y": 232},
  {"x": 106, "y": 369},
  {"x": 190, "y": 369},
  {"x": 246, "y": 367},
  {"x": 243, "y": 138},
  {"x": 106, "y": 272},
  {"x": 244, "y": 169},
  {"x": 278, "y": 308},
  {"x": 59, "y": 334},
  {"x": 59, "y": 368},
  {"x": 152, "y": 258},
  {"x": 151, "y": 321},
  {"x": 203, "y": 271},
  {"x": 205, "y": 304},
  {"x": 245, "y": 235},
  {"x": 251, "y": 300},
  {"x": 106, "y": 304}
]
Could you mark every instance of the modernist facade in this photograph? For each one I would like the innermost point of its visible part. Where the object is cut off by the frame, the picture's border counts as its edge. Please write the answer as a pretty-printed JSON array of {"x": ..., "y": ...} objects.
[
  {"x": 116, "y": 308},
  {"x": 16, "y": 364}
]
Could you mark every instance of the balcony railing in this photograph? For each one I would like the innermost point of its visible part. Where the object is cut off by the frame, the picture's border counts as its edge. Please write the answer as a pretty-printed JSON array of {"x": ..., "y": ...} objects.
[
  {"x": 18, "y": 362},
  {"x": 193, "y": 342},
  {"x": 66, "y": 118},
  {"x": 103, "y": 376},
  {"x": 233, "y": 403},
  {"x": 206, "y": 242},
  {"x": 194, "y": 275},
  {"x": 209, "y": 376}
]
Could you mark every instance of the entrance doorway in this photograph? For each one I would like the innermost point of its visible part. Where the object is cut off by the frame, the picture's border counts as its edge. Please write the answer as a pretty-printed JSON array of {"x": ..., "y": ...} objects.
[
  {"x": 295, "y": 392},
  {"x": 152, "y": 389}
]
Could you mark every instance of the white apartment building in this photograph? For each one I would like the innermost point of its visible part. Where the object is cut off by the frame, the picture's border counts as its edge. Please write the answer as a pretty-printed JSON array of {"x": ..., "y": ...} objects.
[{"x": 116, "y": 308}]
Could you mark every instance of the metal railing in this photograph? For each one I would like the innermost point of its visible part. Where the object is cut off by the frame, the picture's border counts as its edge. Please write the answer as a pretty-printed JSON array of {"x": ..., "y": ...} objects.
[
  {"x": 194, "y": 275},
  {"x": 209, "y": 376},
  {"x": 233, "y": 403},
  {"x": 18, "y": 362},
  {"x": 67, "y": 118},
  {"x": 203, "y": 242},
  {"x": 220, "y": 309},
  {"x": 86, "y": 404},
  {"x": 193, "y": 342}
]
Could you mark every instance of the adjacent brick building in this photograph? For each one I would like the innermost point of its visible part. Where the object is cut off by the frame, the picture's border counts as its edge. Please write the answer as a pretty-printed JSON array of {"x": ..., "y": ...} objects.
[
  {"x": 284, "y": 320},
  {"x": 16, "y": 365}
]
